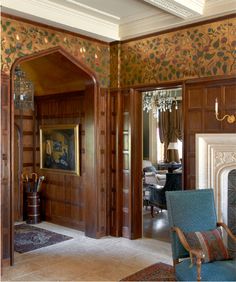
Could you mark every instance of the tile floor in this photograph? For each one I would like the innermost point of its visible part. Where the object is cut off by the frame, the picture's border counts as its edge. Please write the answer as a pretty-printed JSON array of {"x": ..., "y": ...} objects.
[{"x": 86, "y": 259}]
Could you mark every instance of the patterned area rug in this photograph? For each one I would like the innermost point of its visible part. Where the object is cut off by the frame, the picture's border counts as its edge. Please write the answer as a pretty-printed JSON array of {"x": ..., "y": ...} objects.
[
  {"x": 156, "y": 272},
  {"x": 29, "y": 238}
]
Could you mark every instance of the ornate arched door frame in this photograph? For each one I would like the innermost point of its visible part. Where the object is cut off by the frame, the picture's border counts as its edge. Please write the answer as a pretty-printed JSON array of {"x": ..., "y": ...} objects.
[{"x": 95, "y": 219}]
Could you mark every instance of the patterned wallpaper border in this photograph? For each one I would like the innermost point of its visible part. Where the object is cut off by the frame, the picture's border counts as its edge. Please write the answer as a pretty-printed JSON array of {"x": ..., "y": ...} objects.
[
  {"x": 19, "y": 39},
  {"x": 200, "y": 51}
]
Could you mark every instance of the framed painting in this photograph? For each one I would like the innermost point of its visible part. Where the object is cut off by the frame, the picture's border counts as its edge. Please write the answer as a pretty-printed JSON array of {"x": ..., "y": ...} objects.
[{"x": 59, "y": 148}]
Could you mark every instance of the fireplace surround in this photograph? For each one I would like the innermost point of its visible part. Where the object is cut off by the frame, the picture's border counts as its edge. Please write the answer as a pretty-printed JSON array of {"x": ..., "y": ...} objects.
[{"x": 215, "y": 161}]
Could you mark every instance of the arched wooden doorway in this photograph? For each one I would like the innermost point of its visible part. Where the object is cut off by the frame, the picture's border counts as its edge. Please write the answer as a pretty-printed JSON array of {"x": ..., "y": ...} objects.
[{"x": 91, "y": 198}]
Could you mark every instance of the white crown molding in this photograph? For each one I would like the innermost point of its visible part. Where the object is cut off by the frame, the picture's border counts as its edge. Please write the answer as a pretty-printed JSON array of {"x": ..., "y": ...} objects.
[
  {"x": 218, "y": 7},
  {"x": 98, "y": 25},
  {"x": 181, "y": 8},
  {"x": 92, "y": 9},
  {"x": 46, "y": 11},
  {"x": 153, "y": 24}
]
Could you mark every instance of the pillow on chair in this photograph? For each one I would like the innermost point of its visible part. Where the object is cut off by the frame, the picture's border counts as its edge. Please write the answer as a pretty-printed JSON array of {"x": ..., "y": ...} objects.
[{"x": 211, "y": 244}]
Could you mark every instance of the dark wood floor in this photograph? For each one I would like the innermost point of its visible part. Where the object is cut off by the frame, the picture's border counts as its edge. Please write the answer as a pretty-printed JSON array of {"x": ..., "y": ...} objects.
[{"x": 156, "y": 227}]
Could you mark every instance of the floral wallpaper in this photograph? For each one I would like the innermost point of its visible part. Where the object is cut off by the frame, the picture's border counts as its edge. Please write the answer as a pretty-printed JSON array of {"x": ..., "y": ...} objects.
[
  {"x": 200, "y": 51},
  {"x": 20, "y": 39},
  {"x": 115, "y": 65}
]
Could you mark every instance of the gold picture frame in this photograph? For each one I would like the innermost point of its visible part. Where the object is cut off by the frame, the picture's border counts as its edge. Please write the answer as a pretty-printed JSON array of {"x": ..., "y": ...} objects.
[{"x": 59, "y": 148}]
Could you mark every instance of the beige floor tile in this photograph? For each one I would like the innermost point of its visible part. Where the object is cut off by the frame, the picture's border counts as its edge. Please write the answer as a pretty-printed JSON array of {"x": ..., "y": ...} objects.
[{"x": 86, "y": 259}]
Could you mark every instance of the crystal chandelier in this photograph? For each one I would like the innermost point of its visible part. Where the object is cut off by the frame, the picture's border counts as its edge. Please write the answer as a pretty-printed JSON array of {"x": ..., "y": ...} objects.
[
  {"x": 161, "y": 100},
  {"x": 23, "y": 91}
]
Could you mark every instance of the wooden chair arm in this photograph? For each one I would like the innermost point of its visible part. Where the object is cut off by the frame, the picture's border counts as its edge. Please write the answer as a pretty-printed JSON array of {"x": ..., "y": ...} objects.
[
  {"x": 193, "y": 252},
  {"x": 231, "y": 235}
]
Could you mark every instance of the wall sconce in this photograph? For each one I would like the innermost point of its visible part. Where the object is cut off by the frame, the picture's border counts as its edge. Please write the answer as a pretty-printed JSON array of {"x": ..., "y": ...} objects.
[{"x": 229, "y": 118}]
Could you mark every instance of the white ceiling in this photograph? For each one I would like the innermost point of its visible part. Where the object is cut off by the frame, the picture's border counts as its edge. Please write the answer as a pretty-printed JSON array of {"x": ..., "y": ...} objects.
[{"x": 111, "y": 20}]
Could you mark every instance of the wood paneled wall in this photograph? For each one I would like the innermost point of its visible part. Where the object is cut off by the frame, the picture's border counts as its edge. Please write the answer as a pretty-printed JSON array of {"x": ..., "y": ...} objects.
[
  {"x": 70, "y": 200},
  {"x": 24, "y": 155},
  {"x": 199, "y": 112},
  {"x": 126, "y": 140},
  {"x": 115, "y": 164},
  {"x": 63, "y": 194},
  {"x": 5, "y": 147},
  {"x": 125, "y": 164},
  {"x": 102, "y": 163}
]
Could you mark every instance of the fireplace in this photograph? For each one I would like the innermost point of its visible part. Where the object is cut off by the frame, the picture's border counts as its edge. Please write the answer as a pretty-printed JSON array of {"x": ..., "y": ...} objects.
[{"x": 216, "y": 168}]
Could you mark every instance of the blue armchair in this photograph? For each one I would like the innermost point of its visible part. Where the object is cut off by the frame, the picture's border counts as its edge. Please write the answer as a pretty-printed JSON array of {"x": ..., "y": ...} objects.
[{"x": 190, "y": 212}]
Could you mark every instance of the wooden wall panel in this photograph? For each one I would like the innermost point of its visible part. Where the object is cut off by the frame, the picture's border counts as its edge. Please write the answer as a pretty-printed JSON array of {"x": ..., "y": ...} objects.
[
  {"x": 102, "y": 152},
  {"x": 6, "y": 216},
  {"x": 136, "y": 164},
  {"x": 126, "y": 171},
  {"x": 63, "y": 196},
  {"x": 199, "y": 105},
  {"x": 25, "y": 122},
  {"x": 115, "y": 164}
]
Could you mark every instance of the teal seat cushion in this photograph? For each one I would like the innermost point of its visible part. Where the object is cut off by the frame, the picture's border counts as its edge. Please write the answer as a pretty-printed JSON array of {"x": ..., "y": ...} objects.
[{"x": 212, "y": 271}]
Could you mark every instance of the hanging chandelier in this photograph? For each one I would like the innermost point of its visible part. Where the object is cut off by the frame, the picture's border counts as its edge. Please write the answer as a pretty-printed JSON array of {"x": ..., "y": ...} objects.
[
  {"x": 23, "y": 91},
  {"x": 161, "y": 100}
]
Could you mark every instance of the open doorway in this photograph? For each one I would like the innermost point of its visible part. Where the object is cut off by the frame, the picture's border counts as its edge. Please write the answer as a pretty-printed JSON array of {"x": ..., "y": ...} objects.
[
  {"x": 162, "y": 156},
  {"x": 64, "y": 94}
]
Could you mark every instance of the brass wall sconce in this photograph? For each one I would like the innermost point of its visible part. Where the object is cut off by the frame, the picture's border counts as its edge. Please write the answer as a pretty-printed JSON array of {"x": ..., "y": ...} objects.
[{"x": 229, "y": 118}]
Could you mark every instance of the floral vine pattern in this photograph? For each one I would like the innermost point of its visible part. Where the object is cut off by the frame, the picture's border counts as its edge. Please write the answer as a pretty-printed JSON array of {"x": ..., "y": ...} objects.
[
  {"x": 202, "y": 51},
  {"x": 19, "y": 39}
]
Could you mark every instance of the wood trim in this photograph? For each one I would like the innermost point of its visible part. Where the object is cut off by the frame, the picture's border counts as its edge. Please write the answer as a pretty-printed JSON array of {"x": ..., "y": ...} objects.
[
  {"x": 17, "y": 18},
  {"x": 23, "y": 117},
  {"x": 216, "y": 19},
  {"x": 108, "y": 162},
  {"x": 5, "y": 263},
  {"x": 136, "y": 164},
  {"x": 209, "y": 79},
  {"x": 176, "y": 83},
  {"x": 60, "y": 95},
  {"x": 7, "y": 175},
  {"x": 147, "y": 87},
  {"x": 119, "y": 163},
  {"x": 1, "y": 239},
  {"x": 183, "y": 135}
]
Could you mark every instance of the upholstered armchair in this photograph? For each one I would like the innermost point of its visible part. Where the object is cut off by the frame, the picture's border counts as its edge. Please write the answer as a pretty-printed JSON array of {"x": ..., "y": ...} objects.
[
  {"x": 198, "y": 248},
  {"x": 157, "y": 194},
  {"x": 153, "y": 176}
]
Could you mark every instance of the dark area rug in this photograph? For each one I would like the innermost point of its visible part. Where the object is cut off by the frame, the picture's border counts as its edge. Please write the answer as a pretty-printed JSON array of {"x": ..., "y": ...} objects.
[
  {"x": 29, "y": 238},
  {"x": 156, "y": 272}
]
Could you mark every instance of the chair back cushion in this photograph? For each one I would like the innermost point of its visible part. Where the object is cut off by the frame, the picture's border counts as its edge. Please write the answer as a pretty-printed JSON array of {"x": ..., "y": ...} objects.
[{"x": 191, "y": 211}]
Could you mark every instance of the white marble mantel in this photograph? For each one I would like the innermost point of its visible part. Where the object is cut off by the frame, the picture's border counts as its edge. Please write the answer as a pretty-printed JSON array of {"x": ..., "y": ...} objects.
[{"x": 215, "y": 158}]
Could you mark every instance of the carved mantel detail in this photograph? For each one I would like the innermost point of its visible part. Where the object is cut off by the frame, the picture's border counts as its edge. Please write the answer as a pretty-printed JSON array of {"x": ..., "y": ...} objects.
[
  {"x": 215, "y": 158},
  {"x": 224, "y": 158}
]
